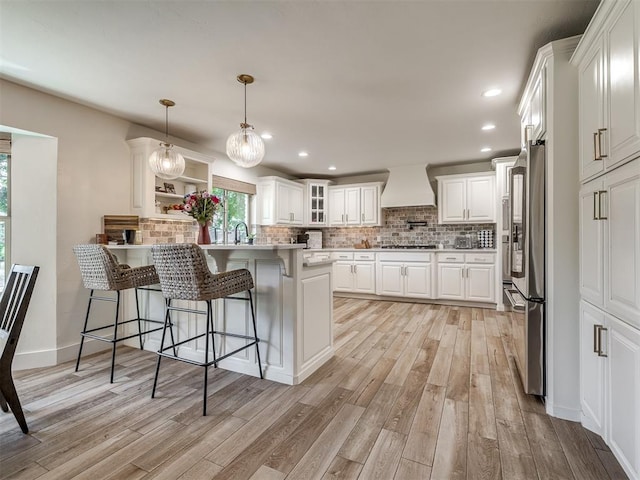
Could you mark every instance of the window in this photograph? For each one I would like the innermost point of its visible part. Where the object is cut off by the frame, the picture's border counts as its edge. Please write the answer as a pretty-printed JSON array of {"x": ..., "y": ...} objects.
[
  {"x": 5, "y": 259},
  {"x": 236, "y": 202}
]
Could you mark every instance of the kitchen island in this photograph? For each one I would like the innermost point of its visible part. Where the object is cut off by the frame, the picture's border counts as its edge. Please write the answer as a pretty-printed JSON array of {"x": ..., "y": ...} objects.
[{"x": 293, "y": 302}]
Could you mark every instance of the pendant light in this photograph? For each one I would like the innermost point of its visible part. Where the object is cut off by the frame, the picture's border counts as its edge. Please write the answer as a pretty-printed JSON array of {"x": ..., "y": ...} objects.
[
  {"x": 245, "y": 147},
  {"x": 165, "y": 162}
]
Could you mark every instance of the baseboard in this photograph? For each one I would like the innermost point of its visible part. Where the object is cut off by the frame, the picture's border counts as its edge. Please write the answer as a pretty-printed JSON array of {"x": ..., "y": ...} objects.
[
  {"x": 49, "y": 358},
  {"x": 565, "y": 413}
]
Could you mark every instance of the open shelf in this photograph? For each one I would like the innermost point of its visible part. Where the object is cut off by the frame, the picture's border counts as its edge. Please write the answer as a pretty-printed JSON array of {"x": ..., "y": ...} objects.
[{"x": 169, "y": 195}]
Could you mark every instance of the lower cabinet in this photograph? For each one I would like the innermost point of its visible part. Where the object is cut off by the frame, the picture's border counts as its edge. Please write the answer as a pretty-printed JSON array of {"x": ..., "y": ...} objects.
[
  {"x": 354, "y": 272},
  {"x": 466, "y": 276},
  {"x": 610, "y": 383},
  {"x": 402, "y": 274}
]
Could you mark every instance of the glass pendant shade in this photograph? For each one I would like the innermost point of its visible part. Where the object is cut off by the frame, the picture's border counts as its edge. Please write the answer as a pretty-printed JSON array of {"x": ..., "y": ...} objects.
[
  {"x": 245, "y": 148},
  {"x": 166, "y": 163}
]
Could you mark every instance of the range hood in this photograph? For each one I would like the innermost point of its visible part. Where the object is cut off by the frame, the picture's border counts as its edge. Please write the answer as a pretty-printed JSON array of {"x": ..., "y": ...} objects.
[{"x": 407, "y": 186}]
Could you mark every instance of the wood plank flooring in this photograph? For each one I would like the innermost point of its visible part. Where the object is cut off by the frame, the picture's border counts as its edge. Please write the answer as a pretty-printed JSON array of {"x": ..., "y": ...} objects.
[{"x": 414, "y": 392}]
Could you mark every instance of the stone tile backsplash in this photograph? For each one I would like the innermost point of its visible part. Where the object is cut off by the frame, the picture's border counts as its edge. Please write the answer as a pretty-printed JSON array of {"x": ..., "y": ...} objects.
[
  {"x": 167, "y": 231},
  {"x": 394, "y": 230}
]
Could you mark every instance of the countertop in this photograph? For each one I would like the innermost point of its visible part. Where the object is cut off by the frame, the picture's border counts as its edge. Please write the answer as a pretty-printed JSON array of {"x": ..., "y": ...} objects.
[
  {"x": 284, "y": 246},
  {"x": 413, "y": 250}
]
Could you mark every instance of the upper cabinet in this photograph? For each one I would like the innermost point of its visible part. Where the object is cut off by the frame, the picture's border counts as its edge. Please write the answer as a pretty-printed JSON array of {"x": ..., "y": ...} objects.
[
  {"x": 316, "y": 202},
  {"x": 150, "y": 195},
  {"x": 354, "y": 205},
  {"x": 468, "y": 198},
  {"x": 609, "y": 88},
  {"x": 280, "y": 201}
]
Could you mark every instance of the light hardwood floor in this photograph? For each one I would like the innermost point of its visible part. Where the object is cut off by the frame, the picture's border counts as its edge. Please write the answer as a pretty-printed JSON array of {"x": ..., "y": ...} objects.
[{"x": 414, "y": 392}]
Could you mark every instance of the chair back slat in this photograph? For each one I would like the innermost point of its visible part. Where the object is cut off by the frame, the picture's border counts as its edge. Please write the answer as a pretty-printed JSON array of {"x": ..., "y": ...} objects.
[{"x": 13, "y": 306}]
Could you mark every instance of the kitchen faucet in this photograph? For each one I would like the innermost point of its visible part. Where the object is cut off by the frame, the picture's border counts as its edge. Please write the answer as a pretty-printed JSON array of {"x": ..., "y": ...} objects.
[{"x": 236, "y": 239}]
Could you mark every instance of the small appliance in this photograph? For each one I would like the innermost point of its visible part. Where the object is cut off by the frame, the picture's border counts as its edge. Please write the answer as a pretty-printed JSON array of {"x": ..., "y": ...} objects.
[
  {"x": 314, "y": 239},
  {"x": 462, "y": 241},
  {"x": 303, "y": 238}
]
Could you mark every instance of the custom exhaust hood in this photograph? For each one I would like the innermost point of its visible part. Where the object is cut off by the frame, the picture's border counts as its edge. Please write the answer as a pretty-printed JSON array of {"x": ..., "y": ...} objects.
[{"x": 408, "y": 186}]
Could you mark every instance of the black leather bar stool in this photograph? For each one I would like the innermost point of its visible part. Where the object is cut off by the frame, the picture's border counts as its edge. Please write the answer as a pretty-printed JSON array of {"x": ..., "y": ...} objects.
[
  {"x": 185, "y": 275},
  {"x": 100, "y": 270}
]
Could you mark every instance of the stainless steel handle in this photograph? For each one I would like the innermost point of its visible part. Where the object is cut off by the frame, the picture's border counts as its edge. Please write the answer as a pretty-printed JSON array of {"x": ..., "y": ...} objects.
[
  {"x": 363, "y": 217},
  {"x": 451, "y": 258},
  {"x": 601, "y": 193},
  {"x": 596, "y": 204},
  {"x": 343, "y": 217},
  {"x": 600, "y": 132},
  {"x": 595, "y": 147},
  {"x": 600, "y": 330},
  {"x": 355, "y": 269},
  {"x": 596, "y": 348},
  {"x": 346, "y": 217}
]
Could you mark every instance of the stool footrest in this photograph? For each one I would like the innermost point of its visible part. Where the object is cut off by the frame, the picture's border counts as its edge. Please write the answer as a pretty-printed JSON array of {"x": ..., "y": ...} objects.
[
  {"x": 187, "y": 360},
  {"x": 119, "y": 339}
]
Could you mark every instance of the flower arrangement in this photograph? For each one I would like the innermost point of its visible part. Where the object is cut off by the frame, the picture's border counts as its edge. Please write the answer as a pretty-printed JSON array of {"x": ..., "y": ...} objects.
[{"x": 201, "y": 206}]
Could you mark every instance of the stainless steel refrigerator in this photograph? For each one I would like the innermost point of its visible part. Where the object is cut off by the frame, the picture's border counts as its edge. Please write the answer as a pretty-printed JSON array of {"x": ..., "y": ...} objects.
[{"x": 527, "y": 259}]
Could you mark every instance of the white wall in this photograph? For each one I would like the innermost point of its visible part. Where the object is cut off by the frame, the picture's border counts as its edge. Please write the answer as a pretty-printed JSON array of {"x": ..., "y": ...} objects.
[
  {"x": 33, "y": 241},
  {"x": 92, "y": 175}
]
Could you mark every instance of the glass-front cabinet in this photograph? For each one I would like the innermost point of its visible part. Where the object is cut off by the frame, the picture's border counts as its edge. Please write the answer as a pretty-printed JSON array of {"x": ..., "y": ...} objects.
[{"x": 316, "y": 202}]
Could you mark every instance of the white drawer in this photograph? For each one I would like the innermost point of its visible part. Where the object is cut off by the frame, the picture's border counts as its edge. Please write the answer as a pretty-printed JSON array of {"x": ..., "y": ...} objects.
[
  {"x": 404, "y": 256},
  {"x": 479, "y": 258},
  {"x": 342, "y": 255},
  {"x": 364, "y": 256},
  {"x": 451, "y": 258}
]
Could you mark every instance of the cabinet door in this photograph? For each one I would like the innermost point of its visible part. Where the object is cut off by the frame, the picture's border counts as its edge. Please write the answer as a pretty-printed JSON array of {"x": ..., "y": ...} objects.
[
  {"x": 317, "y": 204},
  {"x": 623, "y": 85},
  {"x": 364, "y": 277},
  {"x": 450, "y": 281},
  {"x": 283, "y": 212},
  {"x": 592, "y": 369},
  {"x": 480, "y": 199},
  {"x": 390, "y": 278},
  {"x": 352, "y": 206},
  {"x": 537, "y": 106},
  {"x": 336, "y": 206},
  {"x": 480, "y": 283},
  {"x": 591, "y": 114},
  {"x": 296, "y": 204},
  {"x": 452, "y": 202},
  {"x": 621, "y": 206},
  {"x": 624, "y": 394},
  {"x": 591, "y": 244},
  {"x": 343, "y": 276},
  {"x": 266, "y": 203},
  {"x": 417, "y": 280},
  {"x": 369, "y": 205}
]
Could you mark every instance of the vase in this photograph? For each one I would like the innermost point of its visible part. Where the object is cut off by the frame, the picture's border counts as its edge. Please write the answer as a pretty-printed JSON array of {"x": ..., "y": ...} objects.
[{"x": 203, "y": 233}]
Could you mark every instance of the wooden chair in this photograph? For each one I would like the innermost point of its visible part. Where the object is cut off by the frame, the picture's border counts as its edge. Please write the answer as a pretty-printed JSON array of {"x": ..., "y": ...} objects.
[{"x": 13, "y": 310}]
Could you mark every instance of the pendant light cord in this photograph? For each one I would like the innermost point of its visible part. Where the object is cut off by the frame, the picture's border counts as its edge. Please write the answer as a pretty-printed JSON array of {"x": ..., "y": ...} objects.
[
  {"x": 245, "y": 103},
  {"x": 166, "y": 123}
]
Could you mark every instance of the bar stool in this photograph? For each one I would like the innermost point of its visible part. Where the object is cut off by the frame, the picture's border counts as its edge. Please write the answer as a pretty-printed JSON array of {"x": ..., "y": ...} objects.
[
  {"x": 185, "y": 275},
  {"x": 100, "y": 270}
]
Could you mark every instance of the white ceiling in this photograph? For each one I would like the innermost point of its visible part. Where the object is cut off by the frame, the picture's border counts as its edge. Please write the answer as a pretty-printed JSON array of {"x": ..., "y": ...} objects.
[{"x": 362, "y": 85}]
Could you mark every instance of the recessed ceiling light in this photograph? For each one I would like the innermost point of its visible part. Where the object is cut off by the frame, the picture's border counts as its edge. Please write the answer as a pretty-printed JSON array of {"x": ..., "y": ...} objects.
[
  {"x": 485, "y": 149},
  {"x": 488, "y": 126},
  {"x": 267, "y": 136},
  {"x": 492, "y": 92},
  {"x": 303, "y": 154},
  {"x": 332, "y": 167}
]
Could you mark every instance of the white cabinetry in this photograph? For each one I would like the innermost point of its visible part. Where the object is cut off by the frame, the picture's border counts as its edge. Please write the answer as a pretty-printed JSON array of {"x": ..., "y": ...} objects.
[
  {"x": 354, "y": 205},
  {"x": 610, "y": 242},
  {"x": 145, "y": 192},
  {"x": 533, "y": 119},
  {"x": 609, "y": 88},
  {"x": 316, "y": 202},
  {"x": 467, "y": 198},
  {"x": 354, "y": 272},
  {"x": 466, "y": 276},
  {"x": 280, "y": 201},
  {"x": 610, "y": 383},
  {"x": 405, "y": 274}
]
